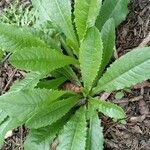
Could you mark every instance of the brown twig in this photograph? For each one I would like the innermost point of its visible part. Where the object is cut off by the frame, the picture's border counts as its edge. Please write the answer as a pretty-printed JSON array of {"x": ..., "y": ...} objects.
[
  {"x": 145, "y": 41},
  {"x": 9, "y": 81}
]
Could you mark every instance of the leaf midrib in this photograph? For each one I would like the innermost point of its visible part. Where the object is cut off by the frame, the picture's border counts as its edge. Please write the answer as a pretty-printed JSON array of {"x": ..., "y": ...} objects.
[{"x": 75, "y": 133}]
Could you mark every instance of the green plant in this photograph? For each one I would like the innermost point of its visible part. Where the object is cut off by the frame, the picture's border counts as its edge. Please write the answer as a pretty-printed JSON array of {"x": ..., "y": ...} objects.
[
  {"x": 65, "y": 116},
  {"x": 18, "y": 14}
]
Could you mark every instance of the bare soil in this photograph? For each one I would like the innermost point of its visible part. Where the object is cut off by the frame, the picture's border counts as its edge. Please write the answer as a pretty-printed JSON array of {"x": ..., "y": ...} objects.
[{"x": 135, "y": 135}]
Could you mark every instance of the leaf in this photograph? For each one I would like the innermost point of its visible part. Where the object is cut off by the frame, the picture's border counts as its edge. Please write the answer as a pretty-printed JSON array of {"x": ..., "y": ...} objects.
[
  {"x": 23, "y": 104},
  {"x": 108, "y": 38},
  {"x": 3, "y": 116},
  {"x": 69, "y": 74},
  {"x": 13, "y": 38},
  {"x": 86, "y": 12},
  {"x": 73, "y": 136},
  {"x": 40, "y": 59},
  {"x": 51, "y": 113},
  {"x": 1, "y": 54},
  {"x": 107, "y": 108},
  {"x": 59, "y": 12},
  {"x": 51, "y": 84},
  {"x": 30, "y": 144},
  {"x": 116, "y": 9},
  {"x": 29, "y": 82},
  {"x": 43, "y": 137},
  {"x": 128, "y": 70},
  {"x": 90, "y": 56},
  {"x": 5, "y": 126},
  {"x": 95, "y": 137}
]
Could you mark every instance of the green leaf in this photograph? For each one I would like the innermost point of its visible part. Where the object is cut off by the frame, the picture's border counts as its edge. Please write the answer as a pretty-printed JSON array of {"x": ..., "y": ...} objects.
[
  {"x": 116, "y": 9},
  {"x": 95, "y": 137},
  {"x": 107, "y": 108},
  {"x": 73, "y": 136},
  {"x": 90, "y": 56},
  {"x": 119, "y": 95},
  {"x": 13, "y": 38},
  {"x": 69, "y": 74},
  {"x": 43, "y": 137},
  {"x": 24, "y": 104},
  {"x": 29, "y": 82},
  {"x": 128, "y": 70},
  {"x": 51, "y": 84},
  {"x": 1, "y": 54},
  {"x": 40, "y": 59},
  {"x": 108, "y": 38},
  {"x": 51, "y": 113},
  {"x": 5, "y": 126},
  {"x": 59, "y": 12},
  {"x": 86, "y": 12},
  {"x": 30, "y": 143},
  {"x": 3, "y": 116}
]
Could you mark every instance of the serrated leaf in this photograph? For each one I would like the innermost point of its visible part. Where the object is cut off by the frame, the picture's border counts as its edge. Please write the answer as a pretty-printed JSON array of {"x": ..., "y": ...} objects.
[
  {"x": 13, "y": 38},
  {"x": 107, "y": 108},
  {"x": 128, "y": 70},
  {"x": 73, "y": 136},
  {"x": 116, "y": 9},
  {"x": 51, "y": 84},
  {"x": 59, "y": 12},
  {"x": 29, "y": 82},
  {"x": 51, "y": 113},
  {"x": 95, "y": 137},
  {"x": 86, "y": 12},
  {"x": 90, "y": 57},
  {"x": 23, "y": 104},
  {"x": 108, "y": 38},
  {"x": 40, "y": 59},
  {"x": 43, "y": 137}
]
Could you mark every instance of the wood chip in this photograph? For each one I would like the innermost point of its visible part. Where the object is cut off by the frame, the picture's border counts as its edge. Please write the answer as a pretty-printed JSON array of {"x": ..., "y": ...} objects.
[
  {"x": 105, "y": 96},
  {"x": 143, "y": 108},
  {"x": 8, "y": 134}
]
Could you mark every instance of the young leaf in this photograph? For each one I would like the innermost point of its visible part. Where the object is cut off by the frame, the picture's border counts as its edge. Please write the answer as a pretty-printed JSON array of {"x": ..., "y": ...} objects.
[
  {"x": 40, "y": 59},
  {"x": 13, "y": 38},
  {"x": 116, "y": 9},
  {"x": 107, "y": 108},
  {"x": 51, "y": 113},
  {"x": 128, "y": 70},
  {"x": 86, "y": 12},
  {"x": 108, "y": 38},
  {"x": 73, "y": 136},
  {"x": 29, "y": 82},
  {"x": 95, "y": 137},
  {"x": 59, "y": 12},
  {"x": 51, "y": 84},
  {"x": 23, "y": 104},
  {"x": 90, "y": 56}
]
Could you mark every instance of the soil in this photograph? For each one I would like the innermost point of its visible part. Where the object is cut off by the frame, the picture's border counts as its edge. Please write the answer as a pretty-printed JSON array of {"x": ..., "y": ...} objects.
[{"x": 135, "y": 134}]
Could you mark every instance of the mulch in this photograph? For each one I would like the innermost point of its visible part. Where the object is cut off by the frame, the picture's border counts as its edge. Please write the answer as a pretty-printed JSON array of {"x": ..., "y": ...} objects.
[{"x": 135, "y": 134}]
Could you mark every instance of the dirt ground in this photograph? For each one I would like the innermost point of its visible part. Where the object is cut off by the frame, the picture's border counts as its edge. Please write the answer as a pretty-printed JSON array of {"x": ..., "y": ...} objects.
[{"x": 135, "y": 135}]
